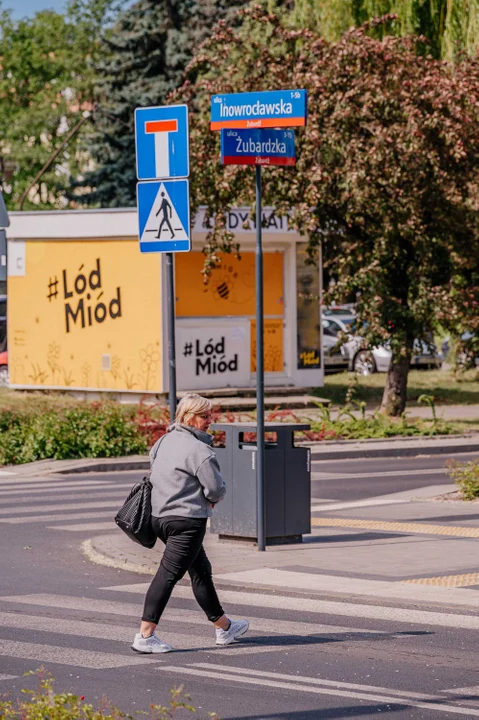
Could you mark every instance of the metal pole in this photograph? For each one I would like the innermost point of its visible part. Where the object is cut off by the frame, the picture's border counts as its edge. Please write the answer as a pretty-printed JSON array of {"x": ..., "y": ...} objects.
[
  {"x": 259, "y": 368},
  {"x": 170, "y": 301}
]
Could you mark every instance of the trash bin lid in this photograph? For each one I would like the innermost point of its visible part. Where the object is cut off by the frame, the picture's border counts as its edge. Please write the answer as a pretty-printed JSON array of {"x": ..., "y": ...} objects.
[{"x": 270, "y": 426}]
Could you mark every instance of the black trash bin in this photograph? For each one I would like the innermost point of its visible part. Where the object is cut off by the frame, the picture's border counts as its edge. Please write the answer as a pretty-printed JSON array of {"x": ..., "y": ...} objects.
[{"x": 287, "y": 485}]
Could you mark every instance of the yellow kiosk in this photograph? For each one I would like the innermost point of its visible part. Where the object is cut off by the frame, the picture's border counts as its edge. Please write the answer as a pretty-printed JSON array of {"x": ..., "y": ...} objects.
[{"x": 87, "y": 311}]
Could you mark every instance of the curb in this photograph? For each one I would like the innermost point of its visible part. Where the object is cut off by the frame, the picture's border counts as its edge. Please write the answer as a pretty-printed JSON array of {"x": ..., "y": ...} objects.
[
  {"x": 99, "y": 559},
  {"x": 363, "y": 451},
  {"x": 338, "y": 450},
  {"x": 108, "y": 465}
]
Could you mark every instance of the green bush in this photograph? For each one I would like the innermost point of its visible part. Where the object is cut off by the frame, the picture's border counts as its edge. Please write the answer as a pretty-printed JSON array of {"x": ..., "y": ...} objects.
[
  {"x": 466, "y": 476},
  {"x": 85, "y": 430},
  {"x": 44, "y": 704}
]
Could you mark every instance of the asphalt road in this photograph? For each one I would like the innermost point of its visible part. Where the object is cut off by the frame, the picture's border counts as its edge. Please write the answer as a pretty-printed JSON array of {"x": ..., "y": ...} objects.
[
  {"x": 78, "y": 619},
  {"x": 360, "y": 479}
]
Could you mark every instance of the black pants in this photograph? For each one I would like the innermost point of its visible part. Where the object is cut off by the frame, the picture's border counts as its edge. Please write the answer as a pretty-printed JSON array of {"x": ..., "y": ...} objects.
[{"x": 183, "y": 538}]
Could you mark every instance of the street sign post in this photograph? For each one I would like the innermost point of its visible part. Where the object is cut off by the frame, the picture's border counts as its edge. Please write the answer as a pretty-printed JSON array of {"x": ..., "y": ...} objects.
[
  {"x": 248, "y": 114},
  {"x": 162, "y": 154},
  {"x": 258, "y": 147},
  {"x": 273, "y": 109}
]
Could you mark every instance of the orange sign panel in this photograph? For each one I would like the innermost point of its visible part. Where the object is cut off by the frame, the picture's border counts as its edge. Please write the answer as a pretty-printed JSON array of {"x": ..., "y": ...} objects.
[
  {"x": 231, "y": 287},
  {"x": 273, "y": 346}
]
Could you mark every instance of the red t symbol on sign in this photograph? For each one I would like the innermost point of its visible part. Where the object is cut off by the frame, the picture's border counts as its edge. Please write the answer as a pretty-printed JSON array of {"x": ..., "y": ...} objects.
[{"x": 161, "y": 129}]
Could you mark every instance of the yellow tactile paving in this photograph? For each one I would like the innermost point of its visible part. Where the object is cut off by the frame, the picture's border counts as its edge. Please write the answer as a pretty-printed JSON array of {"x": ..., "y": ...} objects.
[
  {"x": 423, "y": 528},
  {"x": 451, "y": 581}
]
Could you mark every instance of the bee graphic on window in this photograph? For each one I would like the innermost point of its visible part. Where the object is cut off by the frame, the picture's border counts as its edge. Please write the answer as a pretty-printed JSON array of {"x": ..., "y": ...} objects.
[
  {"x": 223, "y": 290},
  {"x": 223, "y": 282}
]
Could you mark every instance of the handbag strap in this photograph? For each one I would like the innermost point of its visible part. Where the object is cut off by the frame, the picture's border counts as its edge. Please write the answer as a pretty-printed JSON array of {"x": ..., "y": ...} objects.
[{"x": 158, "y": 443}]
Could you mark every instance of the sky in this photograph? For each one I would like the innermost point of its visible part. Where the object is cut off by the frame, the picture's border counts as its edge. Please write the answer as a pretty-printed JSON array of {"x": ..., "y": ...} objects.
[{"x": 22, "y": 8}]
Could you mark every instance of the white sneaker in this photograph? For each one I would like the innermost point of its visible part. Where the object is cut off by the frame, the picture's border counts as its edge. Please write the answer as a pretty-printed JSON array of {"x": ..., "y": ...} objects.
[
  {"x": 235, "y": 630},
  {"x": 151, "y": 644}
]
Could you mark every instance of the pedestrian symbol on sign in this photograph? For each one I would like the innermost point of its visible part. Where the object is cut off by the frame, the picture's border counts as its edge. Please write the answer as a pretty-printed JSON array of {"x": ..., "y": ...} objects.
[
  {"x": 165, "y": 208},
  {"x": 163, "y": 212}
]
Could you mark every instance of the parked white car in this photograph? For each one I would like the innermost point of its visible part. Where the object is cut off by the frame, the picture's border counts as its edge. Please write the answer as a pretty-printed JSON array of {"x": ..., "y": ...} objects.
[
  {"x": 336, "y": 358},
  {"x": 353, "y": 356},
  {"x": 365, "y": 361}
]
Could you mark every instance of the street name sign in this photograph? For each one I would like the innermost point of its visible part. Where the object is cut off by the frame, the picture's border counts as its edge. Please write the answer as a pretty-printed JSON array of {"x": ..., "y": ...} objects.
[
  {"x": 258, "y": 147},
  {"x": 161, "y": 138},
  {"x": 164, "y": 216},
  {"x": 271, "y": 109}
]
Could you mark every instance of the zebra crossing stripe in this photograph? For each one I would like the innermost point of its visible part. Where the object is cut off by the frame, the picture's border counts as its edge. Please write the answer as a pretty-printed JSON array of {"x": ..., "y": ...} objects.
[
  {"x": 178, "y": 616},
  {"x": 204, "y": 642},
  {"x": 28, "y": 519},
  {"x": 328, "y": 607},
  {"x": 84, "y": 527},
  {"x": 317, "y": 681},
  {"x": 227, "y": 675},
  {"x": 87, "y": 494},
  {"x": 66, "y": 482},
  {"x": 18, "y": 480},
  {"x": 53, "y": 508},
  {"x": 57, "y": 489},
  {"x": 472, "y": 692},
  {"x": 91, "y": 484},
  {"x": 69, "y": 656},
  {"x": 8, "y": 677}
]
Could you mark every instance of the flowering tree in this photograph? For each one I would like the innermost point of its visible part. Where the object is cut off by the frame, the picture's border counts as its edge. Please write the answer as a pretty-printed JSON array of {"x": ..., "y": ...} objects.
[{"x": 387, "y": 174}]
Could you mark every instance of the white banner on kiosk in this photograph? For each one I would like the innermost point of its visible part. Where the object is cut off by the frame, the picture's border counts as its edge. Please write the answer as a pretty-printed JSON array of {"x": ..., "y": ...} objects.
[{"x": 212, "y": 355}]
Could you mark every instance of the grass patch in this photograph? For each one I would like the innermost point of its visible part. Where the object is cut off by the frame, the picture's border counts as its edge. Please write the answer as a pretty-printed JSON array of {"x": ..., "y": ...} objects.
[
  {"x": 466, "y": 477},
  {"x": 447, "y": 387}
]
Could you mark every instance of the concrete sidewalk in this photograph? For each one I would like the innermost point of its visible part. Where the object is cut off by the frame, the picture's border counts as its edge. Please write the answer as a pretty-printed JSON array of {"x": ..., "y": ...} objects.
[{"x": 409, "y": 550}]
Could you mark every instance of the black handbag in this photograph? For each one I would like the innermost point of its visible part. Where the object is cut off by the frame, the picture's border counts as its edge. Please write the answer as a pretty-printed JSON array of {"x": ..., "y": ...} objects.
[{"x": 134, "y": 517}]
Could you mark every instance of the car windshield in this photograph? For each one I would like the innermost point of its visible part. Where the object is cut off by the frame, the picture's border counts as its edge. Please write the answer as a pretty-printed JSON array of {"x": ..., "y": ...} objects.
[{"x": 331, "y": 328}]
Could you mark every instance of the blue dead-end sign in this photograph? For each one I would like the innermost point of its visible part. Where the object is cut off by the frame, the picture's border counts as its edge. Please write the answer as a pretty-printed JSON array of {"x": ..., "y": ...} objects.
[
  {"x": 162, "y": 145},
  {"x": 164, "y": 216},
  {"x": 258, "y": 147}
]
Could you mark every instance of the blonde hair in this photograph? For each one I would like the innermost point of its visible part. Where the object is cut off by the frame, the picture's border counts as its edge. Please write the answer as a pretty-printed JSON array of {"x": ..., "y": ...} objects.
[{"x": 191, "y": 405}]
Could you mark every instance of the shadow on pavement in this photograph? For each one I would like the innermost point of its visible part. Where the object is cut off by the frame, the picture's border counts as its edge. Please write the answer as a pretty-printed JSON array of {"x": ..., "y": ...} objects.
[
  {"x": 353, "y": 537},
  {"x": 328, "y": 713},
  {"x": 302, "y": 640},
  {"x": 452, "y": 518}
]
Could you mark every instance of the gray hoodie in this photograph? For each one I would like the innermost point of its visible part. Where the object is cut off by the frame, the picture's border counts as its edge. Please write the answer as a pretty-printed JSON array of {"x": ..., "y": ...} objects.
[{"x": 185, "y": 474}]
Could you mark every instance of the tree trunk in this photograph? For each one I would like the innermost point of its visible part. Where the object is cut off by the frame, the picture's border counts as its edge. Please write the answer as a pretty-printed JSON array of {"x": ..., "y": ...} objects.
[{"x": 395, "y": 391}]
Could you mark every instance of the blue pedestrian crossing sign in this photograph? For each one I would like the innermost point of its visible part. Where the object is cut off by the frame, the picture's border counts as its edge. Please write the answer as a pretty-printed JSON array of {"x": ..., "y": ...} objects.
[
  {"x": 164, "y": 216},
  {"x": 161, "y": 138}
]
